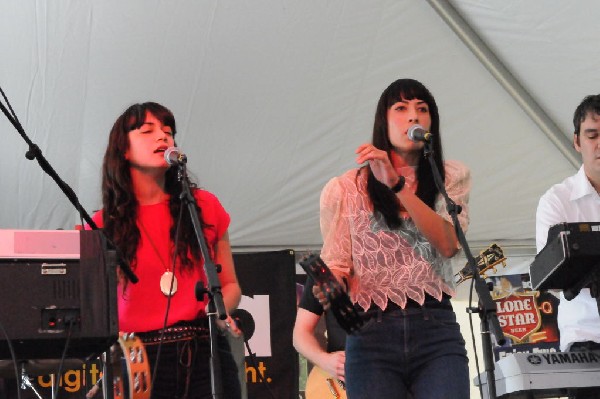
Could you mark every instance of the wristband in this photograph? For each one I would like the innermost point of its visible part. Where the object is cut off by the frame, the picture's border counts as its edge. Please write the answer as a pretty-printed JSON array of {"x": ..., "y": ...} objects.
[{"x": 398, "y": 186}]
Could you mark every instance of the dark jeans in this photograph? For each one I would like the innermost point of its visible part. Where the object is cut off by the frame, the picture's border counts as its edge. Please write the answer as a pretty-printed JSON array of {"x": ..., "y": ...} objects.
[
  {"x": 184, "y": 370},
  {"x": 415, "y": 350},
  {"x": 585, "y": 393}
]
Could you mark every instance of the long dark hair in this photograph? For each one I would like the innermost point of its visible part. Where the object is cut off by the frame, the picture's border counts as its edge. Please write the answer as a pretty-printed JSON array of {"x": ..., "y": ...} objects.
[
  {"x": 119, "y": 203},
  {"x": 384, "y": 201}
]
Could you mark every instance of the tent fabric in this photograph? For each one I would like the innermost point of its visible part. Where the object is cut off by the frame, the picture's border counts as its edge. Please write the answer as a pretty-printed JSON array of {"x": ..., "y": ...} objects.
[{"x": 272, "y": 97}]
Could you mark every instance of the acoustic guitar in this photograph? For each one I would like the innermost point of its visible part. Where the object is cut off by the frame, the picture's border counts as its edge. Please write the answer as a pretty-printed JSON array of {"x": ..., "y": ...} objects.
[{"x": 321, "y": 385}]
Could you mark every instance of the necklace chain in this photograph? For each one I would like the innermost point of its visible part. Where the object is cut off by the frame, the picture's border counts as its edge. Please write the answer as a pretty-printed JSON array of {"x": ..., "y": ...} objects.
[
  {"x": 153, "y": 245},
  {"x": 168, "y": 281}
]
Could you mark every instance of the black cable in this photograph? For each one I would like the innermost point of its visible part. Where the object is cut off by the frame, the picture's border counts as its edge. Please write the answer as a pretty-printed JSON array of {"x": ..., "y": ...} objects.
[
  {"x": 174, "y": 258},
  {"x": 13, "y": 356},
  {"x": 469, "y": 310},
  {"x": 62, "y": 359},
  {"x": 12, "y": 112},
  {"x": 255, "y": 365}
]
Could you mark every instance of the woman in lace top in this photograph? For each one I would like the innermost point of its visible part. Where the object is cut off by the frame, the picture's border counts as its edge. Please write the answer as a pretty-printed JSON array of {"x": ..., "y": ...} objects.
[{"x": 388, "y": 235}]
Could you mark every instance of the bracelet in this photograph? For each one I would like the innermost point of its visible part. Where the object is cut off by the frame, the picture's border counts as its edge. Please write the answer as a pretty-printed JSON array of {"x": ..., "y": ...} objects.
[{"x": 398, "y": 186}]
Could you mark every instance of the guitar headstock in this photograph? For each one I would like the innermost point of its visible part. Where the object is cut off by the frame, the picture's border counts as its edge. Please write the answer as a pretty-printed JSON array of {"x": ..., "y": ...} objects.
[{"x": 488, "y": 259}]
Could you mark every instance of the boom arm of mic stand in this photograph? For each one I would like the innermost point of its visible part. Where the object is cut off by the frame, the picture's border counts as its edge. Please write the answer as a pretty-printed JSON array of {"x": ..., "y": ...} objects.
[
  {"x": 216, "y": 306},
  {"x": 487, "y": 307},
  {"x": 34, "y": 152}
]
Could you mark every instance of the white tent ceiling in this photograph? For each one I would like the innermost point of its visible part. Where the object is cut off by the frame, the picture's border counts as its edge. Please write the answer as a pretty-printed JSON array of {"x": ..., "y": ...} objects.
[{"x": 273, "y": 96}]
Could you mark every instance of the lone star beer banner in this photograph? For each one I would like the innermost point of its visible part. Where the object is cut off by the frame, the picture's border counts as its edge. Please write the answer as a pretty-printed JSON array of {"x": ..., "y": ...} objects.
[{"x": 527, "y": 317}]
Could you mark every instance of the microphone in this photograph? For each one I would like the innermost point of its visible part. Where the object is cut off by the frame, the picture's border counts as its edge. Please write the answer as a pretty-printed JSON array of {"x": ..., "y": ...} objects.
[
  {"x": 174, "y": 156},
  {"x": 418, "y": 133}
]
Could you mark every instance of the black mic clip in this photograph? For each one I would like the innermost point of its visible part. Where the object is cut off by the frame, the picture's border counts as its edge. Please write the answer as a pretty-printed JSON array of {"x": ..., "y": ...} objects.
[{"x": 454, "y": 208}]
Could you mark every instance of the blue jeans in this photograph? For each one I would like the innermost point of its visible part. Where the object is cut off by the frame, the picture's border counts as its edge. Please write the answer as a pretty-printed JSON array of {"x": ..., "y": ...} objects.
[{"x": 416, "y": 351}]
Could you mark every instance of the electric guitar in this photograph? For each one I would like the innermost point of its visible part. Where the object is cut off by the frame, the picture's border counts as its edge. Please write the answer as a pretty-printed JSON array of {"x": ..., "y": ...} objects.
[
  {"x": 321, "y": 385},
  {"x": 487, "y": 259}
]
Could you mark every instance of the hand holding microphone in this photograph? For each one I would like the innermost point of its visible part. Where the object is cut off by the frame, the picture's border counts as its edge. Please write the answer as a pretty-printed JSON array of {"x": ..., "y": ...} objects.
[{"x": 380, "y": 163}]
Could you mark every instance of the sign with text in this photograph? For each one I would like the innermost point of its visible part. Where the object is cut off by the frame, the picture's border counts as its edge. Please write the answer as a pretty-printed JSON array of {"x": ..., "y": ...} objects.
[
  {"x": 527, "y": 317},
  {"x": 268, "y": 281}
]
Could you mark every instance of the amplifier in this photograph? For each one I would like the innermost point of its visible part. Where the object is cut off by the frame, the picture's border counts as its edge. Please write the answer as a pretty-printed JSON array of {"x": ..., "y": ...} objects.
[
  {"x": 570, "y": 255},
  {"x": 53, "y": 282}
]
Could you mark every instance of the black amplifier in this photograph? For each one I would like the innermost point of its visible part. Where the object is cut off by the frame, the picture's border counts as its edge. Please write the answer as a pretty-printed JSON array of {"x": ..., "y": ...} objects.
[
  {"x": 57, "y": 289},
  {"x": 572, "y": 253}
]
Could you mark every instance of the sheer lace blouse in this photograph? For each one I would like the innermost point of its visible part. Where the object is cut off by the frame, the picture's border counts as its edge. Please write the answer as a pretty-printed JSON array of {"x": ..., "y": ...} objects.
[{"x": 381, "y": 263}]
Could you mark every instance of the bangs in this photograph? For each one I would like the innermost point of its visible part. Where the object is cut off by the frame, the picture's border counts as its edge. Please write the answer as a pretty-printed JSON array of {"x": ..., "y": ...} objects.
[
  {"x": 407, "y": 89},
  {"x": 135, "y": 116}
]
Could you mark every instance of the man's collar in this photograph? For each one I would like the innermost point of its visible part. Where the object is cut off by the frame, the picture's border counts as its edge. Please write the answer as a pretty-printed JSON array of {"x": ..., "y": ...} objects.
[{"x": 582, "y": 186}]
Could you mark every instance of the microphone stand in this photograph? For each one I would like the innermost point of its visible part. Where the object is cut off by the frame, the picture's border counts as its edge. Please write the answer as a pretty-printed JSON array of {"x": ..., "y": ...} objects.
[
  {"x": 34, "y": 152},
  {"x": 487, "y": 307},
  {"x": 216, "y": 307}
]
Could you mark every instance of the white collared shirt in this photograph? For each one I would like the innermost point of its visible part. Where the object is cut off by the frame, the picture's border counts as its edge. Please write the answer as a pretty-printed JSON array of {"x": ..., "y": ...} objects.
[{"x": 572, "y": 200}]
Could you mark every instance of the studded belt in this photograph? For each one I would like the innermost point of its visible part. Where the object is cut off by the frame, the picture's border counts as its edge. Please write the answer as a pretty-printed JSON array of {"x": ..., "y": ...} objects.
[{"x": 172, "y": 334}]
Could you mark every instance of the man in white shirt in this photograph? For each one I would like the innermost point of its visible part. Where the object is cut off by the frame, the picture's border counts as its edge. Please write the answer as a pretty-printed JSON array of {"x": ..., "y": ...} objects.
[{"x": 577, "y": 199}]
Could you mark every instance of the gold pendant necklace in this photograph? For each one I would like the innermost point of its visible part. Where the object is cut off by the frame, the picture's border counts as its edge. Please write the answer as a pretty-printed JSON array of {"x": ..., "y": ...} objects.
[{"x": 168, "y": 281}]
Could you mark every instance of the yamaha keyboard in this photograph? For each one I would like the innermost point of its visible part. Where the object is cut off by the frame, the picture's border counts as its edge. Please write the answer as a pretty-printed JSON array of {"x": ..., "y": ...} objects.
[
  {"x": 543, "y": 375},
  {"x": 571, "y": 253}
]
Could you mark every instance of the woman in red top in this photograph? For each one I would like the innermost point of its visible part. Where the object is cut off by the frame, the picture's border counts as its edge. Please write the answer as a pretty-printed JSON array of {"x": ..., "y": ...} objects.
[{"x": 140, "y": 214}]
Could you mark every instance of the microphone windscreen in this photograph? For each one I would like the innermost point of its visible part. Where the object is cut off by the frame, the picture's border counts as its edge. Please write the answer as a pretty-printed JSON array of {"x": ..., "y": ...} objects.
[
  {"x": 416, "y": 131},
  {"x": 171, "y": 155}
]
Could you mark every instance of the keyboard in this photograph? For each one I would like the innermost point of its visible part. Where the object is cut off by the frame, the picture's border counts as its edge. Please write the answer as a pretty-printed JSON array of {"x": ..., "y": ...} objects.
[{"x": 543, "y": 375}]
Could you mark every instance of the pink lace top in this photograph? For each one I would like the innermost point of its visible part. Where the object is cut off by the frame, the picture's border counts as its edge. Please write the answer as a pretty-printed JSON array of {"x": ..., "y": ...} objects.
[{"x": 380, "y": 263}]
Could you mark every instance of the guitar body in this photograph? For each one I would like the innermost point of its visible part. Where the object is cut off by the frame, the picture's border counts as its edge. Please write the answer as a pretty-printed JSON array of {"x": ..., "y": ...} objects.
[
  {"x": 320, "y": 385},
  {"x": 131, "y": 369}
]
